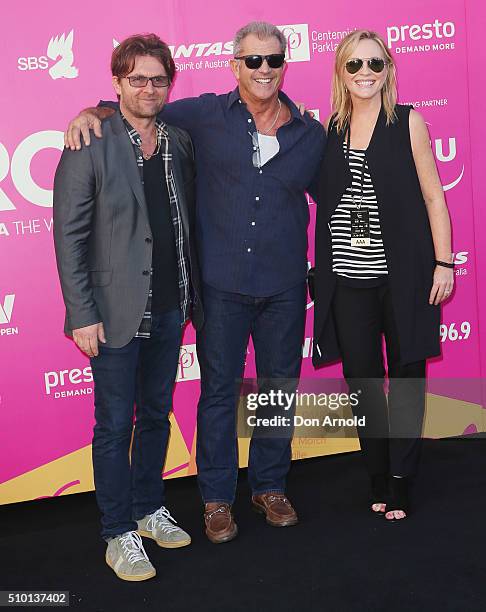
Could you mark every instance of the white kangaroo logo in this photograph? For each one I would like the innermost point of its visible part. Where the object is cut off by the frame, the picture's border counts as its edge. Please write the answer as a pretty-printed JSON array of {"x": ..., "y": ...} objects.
[{"x": 62, "y": 46}]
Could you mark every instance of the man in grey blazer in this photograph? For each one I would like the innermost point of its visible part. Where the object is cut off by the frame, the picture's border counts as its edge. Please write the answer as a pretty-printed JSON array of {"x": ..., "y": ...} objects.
[{"x": 123, "y": 231}]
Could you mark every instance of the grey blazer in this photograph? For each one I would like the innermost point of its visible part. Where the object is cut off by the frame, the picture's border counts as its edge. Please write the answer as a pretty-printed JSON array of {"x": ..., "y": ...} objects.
[{"x": 102, "y": 233}]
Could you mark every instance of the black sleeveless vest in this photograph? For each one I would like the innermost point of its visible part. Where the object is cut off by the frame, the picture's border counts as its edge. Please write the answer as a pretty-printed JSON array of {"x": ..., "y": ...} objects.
[{"x": 406, "y": 234}]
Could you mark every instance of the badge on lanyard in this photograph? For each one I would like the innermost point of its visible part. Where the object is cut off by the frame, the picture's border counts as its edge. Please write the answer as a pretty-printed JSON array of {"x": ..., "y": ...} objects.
[
  {"x": 360, "y": 217},
  {"x": 360, "y": 227}
]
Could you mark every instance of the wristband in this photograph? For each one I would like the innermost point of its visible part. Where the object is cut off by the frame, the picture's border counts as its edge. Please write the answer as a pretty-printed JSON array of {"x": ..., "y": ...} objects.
[{"x": 444, "y": 264}]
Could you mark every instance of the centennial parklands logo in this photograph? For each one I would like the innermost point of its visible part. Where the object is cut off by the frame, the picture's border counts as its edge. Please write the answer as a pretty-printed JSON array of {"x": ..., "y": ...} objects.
[
  {"x": 6, "y": 313},
  {"x": 188, "y": 364},
  {"x": 297, "y": 36},
  {"x": 58, "y": 60}
]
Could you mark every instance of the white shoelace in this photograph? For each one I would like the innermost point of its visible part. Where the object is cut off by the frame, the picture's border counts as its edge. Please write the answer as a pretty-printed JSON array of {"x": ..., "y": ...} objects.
[
  {"x": 162, "y": 518},
  {"x": 133, "y": 548}
]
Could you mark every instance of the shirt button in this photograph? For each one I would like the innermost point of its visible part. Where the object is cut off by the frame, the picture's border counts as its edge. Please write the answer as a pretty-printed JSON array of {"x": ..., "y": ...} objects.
[
  {"x": 253, "y": 222},
  {"x": 145, "y": 272},
  {"x": 261, "y": 171},
  {"x": 249, "y": 250},
  {"x": 257, "y": 198}
]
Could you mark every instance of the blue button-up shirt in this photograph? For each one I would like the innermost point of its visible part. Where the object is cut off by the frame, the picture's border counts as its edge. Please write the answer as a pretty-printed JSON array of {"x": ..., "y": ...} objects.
[{"x": 251, "y": 222}]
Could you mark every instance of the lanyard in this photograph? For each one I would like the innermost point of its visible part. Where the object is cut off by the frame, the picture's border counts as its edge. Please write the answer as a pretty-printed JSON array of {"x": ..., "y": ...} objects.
[{"x": 347, "y": 140}]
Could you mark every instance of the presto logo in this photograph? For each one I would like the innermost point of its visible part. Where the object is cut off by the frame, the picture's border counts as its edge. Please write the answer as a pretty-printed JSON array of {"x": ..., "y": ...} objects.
[
  {"x": 57, "y": 381},
  {"x": 415, "y": 32}
]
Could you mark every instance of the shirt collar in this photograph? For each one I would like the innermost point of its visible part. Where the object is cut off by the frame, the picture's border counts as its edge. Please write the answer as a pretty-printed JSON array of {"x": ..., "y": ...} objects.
[
  {"x": 234, "y": 96},
  {"x": 160, "y": 126}
]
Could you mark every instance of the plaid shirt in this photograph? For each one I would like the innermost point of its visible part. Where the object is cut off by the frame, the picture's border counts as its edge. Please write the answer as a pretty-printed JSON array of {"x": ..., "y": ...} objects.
[{"x": 182, "y": 259}]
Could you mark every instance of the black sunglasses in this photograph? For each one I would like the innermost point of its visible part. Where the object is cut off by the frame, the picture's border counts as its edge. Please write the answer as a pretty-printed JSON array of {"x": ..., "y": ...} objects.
[
  {"x": 374, "y": 63},
  {"x": 253, "y": 62}
]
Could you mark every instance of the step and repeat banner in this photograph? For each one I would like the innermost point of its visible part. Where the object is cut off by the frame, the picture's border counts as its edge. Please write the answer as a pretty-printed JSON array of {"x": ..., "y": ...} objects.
[{"x": 56, "y": 57}]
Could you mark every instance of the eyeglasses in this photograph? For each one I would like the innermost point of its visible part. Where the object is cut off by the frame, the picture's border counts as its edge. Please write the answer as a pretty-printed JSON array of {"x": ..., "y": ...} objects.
[
  {"x": 253, "y": 62},
  {"x": 138, "y": 80},
  {"x": 374, "y": 63}
]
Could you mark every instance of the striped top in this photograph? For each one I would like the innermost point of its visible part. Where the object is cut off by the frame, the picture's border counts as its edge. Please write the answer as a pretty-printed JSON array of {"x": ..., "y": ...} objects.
[{"x": 363, "y": 262}]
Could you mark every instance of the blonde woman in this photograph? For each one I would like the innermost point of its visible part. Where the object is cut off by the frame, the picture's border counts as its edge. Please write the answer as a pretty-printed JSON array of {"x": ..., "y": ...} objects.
[{"x": 383, "y": 261}]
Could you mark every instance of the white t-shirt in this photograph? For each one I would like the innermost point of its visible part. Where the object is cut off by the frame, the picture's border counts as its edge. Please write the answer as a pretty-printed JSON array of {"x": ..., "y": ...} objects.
[{"x": 269, "y": 147}]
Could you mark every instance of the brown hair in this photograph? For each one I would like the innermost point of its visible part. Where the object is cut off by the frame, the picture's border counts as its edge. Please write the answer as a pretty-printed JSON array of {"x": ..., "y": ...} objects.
[
  {"x": 340, "y": 98},
  {"x": 123, "y": 57}
]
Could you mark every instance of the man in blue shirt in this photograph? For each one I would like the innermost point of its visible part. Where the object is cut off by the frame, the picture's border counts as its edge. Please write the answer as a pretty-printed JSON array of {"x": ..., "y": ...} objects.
[{"x": 256, "y": 156}]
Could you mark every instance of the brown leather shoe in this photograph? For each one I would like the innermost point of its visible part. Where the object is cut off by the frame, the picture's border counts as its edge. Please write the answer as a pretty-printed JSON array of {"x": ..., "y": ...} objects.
[
  {"x": 220, "y": 526},
  {"x": 277, "y": 509}
]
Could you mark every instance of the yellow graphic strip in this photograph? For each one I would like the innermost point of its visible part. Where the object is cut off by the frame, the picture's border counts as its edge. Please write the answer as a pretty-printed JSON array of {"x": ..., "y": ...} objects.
[{"x": 73, "y": 473}]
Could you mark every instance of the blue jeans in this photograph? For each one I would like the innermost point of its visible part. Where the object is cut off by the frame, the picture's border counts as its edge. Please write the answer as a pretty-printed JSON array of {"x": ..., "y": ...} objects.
[
  {"x": 140, "y": 374},
  {"x": 276, "y": 325}
]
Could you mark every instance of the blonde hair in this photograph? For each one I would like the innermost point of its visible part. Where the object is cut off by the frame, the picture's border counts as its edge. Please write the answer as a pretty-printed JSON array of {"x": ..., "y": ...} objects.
[{"x": 340, "y": 99}]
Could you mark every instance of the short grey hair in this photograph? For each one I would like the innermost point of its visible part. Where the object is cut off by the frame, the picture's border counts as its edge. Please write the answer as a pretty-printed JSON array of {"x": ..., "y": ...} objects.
[{"x": 262, "y": 30}]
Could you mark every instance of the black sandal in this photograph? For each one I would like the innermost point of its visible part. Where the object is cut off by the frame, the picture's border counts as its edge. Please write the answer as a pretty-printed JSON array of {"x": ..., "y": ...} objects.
[
  {"x": 379, "y": 492},
  {"x": 398, "y": 498}
]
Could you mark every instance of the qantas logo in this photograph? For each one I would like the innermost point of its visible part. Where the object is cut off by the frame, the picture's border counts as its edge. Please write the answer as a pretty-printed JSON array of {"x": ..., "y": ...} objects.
[{"x": 297, "y": 36}]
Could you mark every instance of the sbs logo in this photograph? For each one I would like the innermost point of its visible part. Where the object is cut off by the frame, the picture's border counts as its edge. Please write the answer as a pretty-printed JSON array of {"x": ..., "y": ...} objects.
[{"x": 59, "y": 51}]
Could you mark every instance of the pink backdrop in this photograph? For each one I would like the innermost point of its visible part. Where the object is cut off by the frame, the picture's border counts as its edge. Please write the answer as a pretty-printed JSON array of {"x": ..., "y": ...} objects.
[{"x": 48, "y": 75}]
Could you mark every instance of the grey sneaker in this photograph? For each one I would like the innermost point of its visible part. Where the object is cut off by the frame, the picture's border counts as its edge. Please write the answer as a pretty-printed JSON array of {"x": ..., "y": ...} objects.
[
  {"x": 127, "y": 558},
  {"x": 162, "y": 527}
]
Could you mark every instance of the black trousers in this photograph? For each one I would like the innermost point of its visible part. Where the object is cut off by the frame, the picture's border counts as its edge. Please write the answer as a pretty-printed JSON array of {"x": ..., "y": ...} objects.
[{"x": 391, "y": 438}]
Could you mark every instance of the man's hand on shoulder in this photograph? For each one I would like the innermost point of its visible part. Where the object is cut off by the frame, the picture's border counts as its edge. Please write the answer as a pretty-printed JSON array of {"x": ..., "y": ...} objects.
[
  {"x": 303, "y": 109},
  {"x": 86, "y": 338},
  {"x": 88, "y": 119}
]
